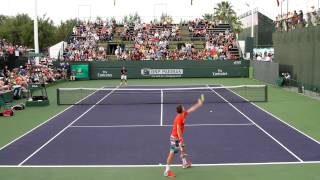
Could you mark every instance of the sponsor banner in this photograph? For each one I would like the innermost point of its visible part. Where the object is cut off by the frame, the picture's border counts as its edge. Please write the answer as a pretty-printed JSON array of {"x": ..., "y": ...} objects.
[
  {"x": 237, "y": 62},
  {"x": 81, "y": 71},
  {"x": 34, "y": 86},
  {"x": 104, "y": 74},
  {"x": 161, "y": 72},
  {"x": 169, "y": 69},
  {"x": 219, "y": 73}
]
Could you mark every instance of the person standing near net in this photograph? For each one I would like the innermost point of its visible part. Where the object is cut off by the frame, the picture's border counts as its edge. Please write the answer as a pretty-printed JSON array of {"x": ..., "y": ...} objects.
[
  {"x": 176, "y": 138},
  {"x": 124, "y": 74}
]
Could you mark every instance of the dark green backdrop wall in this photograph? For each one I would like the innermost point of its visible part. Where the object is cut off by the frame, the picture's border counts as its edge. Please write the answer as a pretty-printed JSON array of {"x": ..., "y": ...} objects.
[
  {"x": 298, "y": 52},
  {"x": 262, "y": 32},
  {"x": 168, "y": 69}
]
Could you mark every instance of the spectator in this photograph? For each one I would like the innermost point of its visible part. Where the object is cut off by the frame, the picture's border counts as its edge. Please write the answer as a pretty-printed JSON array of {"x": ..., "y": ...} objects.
[
  {"x": 8, "y": 49},
  {"x": 295, "y": 20},
  {"x": 17, "y": 79},
  {"x": 300, "y": 19},
  {"x": 313, "y": 16},
  {"x": 3, "y": 86},
  {"x": 118, "y": 52}
]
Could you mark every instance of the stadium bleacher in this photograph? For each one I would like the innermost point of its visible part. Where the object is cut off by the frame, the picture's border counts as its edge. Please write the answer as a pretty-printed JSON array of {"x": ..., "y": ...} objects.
[{"x": 195, "y": 40}]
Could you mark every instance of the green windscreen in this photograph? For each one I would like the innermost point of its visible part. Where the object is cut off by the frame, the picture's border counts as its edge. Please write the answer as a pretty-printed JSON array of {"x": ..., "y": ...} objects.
[{"x": 81, "y": 70}]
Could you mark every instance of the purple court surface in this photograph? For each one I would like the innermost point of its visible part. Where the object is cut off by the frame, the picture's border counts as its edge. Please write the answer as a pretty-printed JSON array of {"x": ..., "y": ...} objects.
[{"x": 138, "y": 135}]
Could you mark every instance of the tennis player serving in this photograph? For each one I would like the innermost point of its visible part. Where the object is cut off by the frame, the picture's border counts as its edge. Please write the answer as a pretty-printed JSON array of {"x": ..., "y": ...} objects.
[
  {"x": 176, "y": 138},
  {"x": 124, "y": 74}
]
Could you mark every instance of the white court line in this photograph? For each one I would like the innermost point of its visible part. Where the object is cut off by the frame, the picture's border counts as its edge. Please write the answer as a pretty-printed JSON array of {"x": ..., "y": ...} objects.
[
  {"x": 158, "y": 165},
  {"x": 66, "y": 127},
  {"x": 161, "y": 108},
  {"x": 155, "y": 125},
  {"x": 173, "y": 85},
  {"x": 45, "y": 121},
  {"x": 275, "y": 117},
  {"x": 288, "y": 150}
]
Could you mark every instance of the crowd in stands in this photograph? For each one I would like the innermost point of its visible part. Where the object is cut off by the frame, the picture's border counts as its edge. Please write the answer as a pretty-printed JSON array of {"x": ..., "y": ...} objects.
[
  {"x": 9, "y": 49},
  {"x": 19, "y": 78},
  {"x": 85, "y": 37},
  {"x": 266, "y": 56},
  {"x": 217, "y": 47},
  {"x": 200, "y": 27},
  {"x": 150, "y": 32},
  {"x": 220, "y": 44},
  {"x": 296, "y": 20},
  {"x": 154, "y": 45},
  {"x": 150, "y": 41}
]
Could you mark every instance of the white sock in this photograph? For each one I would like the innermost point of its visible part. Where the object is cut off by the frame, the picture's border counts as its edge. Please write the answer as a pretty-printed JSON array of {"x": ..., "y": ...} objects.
[
  {"x": 184, "y": 161},
  {"x": 167, "y": 168}
]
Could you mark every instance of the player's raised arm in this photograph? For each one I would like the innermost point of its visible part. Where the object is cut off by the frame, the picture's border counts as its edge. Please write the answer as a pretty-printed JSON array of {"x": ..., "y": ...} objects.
[{"x": 195, "y": 106}]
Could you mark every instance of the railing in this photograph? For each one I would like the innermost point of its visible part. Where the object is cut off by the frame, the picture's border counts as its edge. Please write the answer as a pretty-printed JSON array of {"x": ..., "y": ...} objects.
[{"x": 239, "y": 49}]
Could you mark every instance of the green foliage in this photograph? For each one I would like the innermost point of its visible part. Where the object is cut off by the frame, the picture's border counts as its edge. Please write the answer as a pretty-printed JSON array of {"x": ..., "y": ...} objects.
[
  {"x": 15, "y": 29},
  {"x": 132, "y": 18},
  {"x": 2, "y": 19},
  {"x": 224, "y": 13},
  {"x": 208, "y": 17},
  {"x": 64, "y": 29},
  {"x": 46, "y": 32},
  {"x": 18, "y": 30},
  {"x": 236, "y": 25}
]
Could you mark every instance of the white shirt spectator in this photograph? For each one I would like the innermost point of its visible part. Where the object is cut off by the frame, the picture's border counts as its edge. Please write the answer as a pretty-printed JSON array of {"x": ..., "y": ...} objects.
[{"x": 259, "y": 58}]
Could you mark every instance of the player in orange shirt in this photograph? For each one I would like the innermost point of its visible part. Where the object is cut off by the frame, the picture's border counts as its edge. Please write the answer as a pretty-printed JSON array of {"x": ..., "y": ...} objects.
[{"x": 176, "y": 138}]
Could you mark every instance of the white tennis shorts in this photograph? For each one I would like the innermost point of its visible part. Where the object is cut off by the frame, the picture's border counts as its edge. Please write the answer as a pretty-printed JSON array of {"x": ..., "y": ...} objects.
[{"x": 123, "y": 77}]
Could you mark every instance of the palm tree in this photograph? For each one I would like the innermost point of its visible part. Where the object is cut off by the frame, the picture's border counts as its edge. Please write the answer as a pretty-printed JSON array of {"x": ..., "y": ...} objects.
[
  {"x": 224, "y": 12},
  {"x": 208, "y": 17},
  {"x": 236, "y": 25}
]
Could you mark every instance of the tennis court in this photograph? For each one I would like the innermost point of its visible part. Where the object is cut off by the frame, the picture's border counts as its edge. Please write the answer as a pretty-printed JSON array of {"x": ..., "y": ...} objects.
[{"x": 130, "y": 126}]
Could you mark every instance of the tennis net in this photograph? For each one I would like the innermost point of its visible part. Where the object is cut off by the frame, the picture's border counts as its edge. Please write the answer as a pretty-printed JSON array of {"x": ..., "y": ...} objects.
[{"x": 118, "y": 96}]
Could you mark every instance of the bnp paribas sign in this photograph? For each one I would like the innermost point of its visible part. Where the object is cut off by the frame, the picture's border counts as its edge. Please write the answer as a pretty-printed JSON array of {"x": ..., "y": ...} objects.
[{"x": 161, "y": 72}]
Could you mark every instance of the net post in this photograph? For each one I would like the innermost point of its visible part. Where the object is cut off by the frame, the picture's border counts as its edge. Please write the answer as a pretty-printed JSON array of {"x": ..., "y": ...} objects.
[
  {"x": 58, "y": 96},
  {"x": 266, "y": 93}
]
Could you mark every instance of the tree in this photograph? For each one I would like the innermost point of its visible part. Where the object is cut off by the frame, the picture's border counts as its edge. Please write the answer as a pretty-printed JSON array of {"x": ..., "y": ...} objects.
[
  {"x": 2, "y": 19},
  {"x": 208, "y": 17},
  {"x": 236, "y": 25},
  {"x": 64, "y": 30},
  {"x": 17, "y": 30},
  {"x": 224, "y": 12},
  {"x": 132, "y": 18},
  {"x": 46, "y": 32}
]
